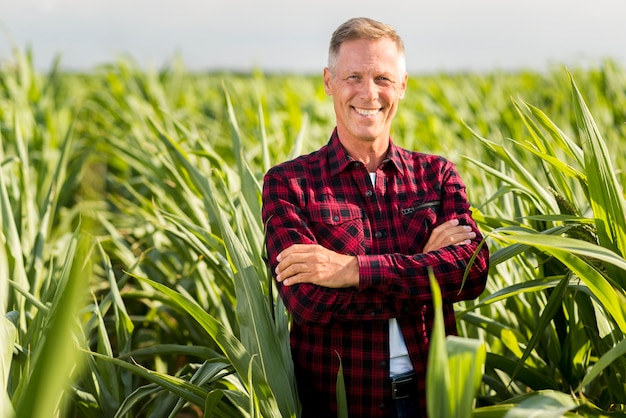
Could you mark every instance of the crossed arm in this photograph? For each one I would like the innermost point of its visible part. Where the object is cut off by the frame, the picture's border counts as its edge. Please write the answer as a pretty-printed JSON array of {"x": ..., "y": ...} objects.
[{"x": 312, "y": 263}]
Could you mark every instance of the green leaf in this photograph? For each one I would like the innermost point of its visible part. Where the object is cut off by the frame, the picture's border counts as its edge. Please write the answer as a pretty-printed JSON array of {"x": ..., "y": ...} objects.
[
  {"x": 8, "y": 337},
  {"x": 455, "y": 367},
  {"x": 466, "y": 358},
  {"x": 540, "y": 404},
  {"x": 232, "y": 348},
  {"x": 342, "y": 400},
  {"x": 438, "y": 372},
  {"x": 607, "y": 199},
  {"x": 569, "y": 251},
  {"x": 212, "y": 401},
  {"x": 48, "y": 380},
  {"x": 180, "y": 387},
  {"x": 545, "y": 404},
  {"x": 617, "y": 352}
]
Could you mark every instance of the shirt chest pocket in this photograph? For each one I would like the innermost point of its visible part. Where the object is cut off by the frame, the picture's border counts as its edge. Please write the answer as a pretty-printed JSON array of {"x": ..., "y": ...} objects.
[
  {"x": 418, "y": 219},
  {"x": 337, "y": 226}
]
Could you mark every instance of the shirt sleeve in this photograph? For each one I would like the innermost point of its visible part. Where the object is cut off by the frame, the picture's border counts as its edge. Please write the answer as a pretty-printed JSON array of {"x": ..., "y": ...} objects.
[
  {"x": 285, "y": 225},
  {"x": 406, "y": 276}
]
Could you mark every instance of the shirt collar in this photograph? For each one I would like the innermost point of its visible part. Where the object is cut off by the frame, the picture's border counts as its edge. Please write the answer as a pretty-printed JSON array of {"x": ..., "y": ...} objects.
[{"x": 339, "y": 159}]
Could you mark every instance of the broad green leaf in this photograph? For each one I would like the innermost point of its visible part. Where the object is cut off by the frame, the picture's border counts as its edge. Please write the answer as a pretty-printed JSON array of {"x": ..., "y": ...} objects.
[
  {"x": 8, "y": 337},
  {"x": 606, "y": 194},
  {"x": 568, "y": 251},
  {"x": 455, "y": 367},
  {"x": 466, "y": 358},
  {"x": 342, "y": 401},
  {"x": 540, "y": 404},
  {"x": 49, "y": 380},
  {"x": 438, "y": 372},
  {"x": 546, "y": 404},
  {"x": 212, "y": 401}
]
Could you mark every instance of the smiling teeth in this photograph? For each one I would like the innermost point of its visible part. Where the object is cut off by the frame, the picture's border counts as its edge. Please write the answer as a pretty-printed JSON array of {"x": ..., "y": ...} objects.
[{"x": 366, "y": 112}]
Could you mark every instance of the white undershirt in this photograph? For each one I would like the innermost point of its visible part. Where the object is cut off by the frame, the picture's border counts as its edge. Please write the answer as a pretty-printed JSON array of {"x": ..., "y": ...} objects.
[{"x": 399, "y": 361}]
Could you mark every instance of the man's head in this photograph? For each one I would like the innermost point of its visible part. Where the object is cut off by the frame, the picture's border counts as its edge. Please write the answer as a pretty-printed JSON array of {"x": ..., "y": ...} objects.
[{"x": 366, "y": 77}]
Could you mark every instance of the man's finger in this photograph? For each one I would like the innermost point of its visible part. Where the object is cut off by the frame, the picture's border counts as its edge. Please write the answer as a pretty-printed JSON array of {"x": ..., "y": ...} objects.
[{"x": 295, "y": 249}]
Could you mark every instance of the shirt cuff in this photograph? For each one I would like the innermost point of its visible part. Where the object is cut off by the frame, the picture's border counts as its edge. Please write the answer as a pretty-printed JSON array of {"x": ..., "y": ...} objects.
[{"x": 374, "y": 270}]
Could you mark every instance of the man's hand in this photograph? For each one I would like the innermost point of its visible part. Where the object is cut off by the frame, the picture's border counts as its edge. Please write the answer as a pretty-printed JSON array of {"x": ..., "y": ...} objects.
[
  {"x": 448, "y": 233},
  {"x": 312, "y": 263}
]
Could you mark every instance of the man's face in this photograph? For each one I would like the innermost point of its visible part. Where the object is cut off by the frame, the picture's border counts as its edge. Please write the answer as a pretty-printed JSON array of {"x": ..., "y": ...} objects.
[{"x": 366, "y": 85}]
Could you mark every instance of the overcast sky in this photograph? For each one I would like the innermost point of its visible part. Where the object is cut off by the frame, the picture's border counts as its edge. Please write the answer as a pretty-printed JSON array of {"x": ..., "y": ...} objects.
[{"x": 293, "y": 35}]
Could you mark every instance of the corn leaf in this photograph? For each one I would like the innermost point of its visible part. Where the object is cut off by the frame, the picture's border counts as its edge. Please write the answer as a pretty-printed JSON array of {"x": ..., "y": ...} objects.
[{"x": 607, "y": 199}]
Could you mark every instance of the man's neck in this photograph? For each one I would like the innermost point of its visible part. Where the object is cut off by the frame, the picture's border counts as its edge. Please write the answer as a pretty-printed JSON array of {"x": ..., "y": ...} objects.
[{"x": 370, "y": 153}]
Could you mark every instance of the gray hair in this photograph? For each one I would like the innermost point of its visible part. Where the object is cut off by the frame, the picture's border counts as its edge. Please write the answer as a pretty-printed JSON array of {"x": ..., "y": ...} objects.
[{"x": 363, "y": 28}]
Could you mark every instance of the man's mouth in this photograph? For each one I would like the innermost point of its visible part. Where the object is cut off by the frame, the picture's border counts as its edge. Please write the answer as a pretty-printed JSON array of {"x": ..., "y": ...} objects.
[{"x": 366, "y": 112}]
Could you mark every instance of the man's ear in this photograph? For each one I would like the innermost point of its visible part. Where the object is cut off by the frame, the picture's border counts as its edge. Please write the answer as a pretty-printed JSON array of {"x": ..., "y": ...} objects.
[
  {"x": 405, "y": 81},
  {"x": 328, "y": 78}
]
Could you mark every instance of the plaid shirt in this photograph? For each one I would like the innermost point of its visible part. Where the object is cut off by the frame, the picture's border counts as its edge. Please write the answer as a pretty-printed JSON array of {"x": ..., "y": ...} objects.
[{"x": 327, "y": 198}]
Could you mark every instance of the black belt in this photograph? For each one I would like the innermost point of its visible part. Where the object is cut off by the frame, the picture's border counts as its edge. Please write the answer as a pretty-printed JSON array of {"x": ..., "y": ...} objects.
[{"x": 404, "y": 386}]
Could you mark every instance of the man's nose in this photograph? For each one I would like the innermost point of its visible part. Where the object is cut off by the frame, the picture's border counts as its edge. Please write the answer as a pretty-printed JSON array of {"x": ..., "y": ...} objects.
[{"x": 369, "y": 89}]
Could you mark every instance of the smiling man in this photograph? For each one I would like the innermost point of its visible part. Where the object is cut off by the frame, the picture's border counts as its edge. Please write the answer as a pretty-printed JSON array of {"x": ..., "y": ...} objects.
[{"x": 353, "y": 230}]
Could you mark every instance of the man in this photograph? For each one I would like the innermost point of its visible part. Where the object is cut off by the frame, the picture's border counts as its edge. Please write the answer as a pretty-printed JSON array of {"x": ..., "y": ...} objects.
[{"x": 352, "y": 231}]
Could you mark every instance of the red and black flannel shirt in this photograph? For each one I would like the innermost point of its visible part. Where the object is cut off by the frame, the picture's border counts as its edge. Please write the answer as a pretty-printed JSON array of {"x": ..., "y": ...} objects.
[{"x": 327, "y": 198}]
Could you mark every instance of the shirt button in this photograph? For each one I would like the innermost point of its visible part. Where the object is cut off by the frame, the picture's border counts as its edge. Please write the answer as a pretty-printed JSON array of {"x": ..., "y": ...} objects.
[
  {"x": 369, "y": 193},
  {"x": 336, "y": 218},
  {"x": 378, "y": 234},
  {"x": 372, "y": 314},
  {"x": 382, "y": 406},
  {"x": 383, "y": 364}
]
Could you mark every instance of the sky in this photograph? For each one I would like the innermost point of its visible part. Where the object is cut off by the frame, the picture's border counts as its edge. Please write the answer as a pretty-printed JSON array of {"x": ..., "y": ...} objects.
[{"x": 293, "y": 35}]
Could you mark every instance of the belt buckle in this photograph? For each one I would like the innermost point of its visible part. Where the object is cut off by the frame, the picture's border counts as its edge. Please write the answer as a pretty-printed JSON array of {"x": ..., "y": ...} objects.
[{"x": 396, "y": 386}]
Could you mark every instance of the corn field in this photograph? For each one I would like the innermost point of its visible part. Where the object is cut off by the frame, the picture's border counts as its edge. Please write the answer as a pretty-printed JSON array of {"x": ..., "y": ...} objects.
[{"x": 132, "y": 278}]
